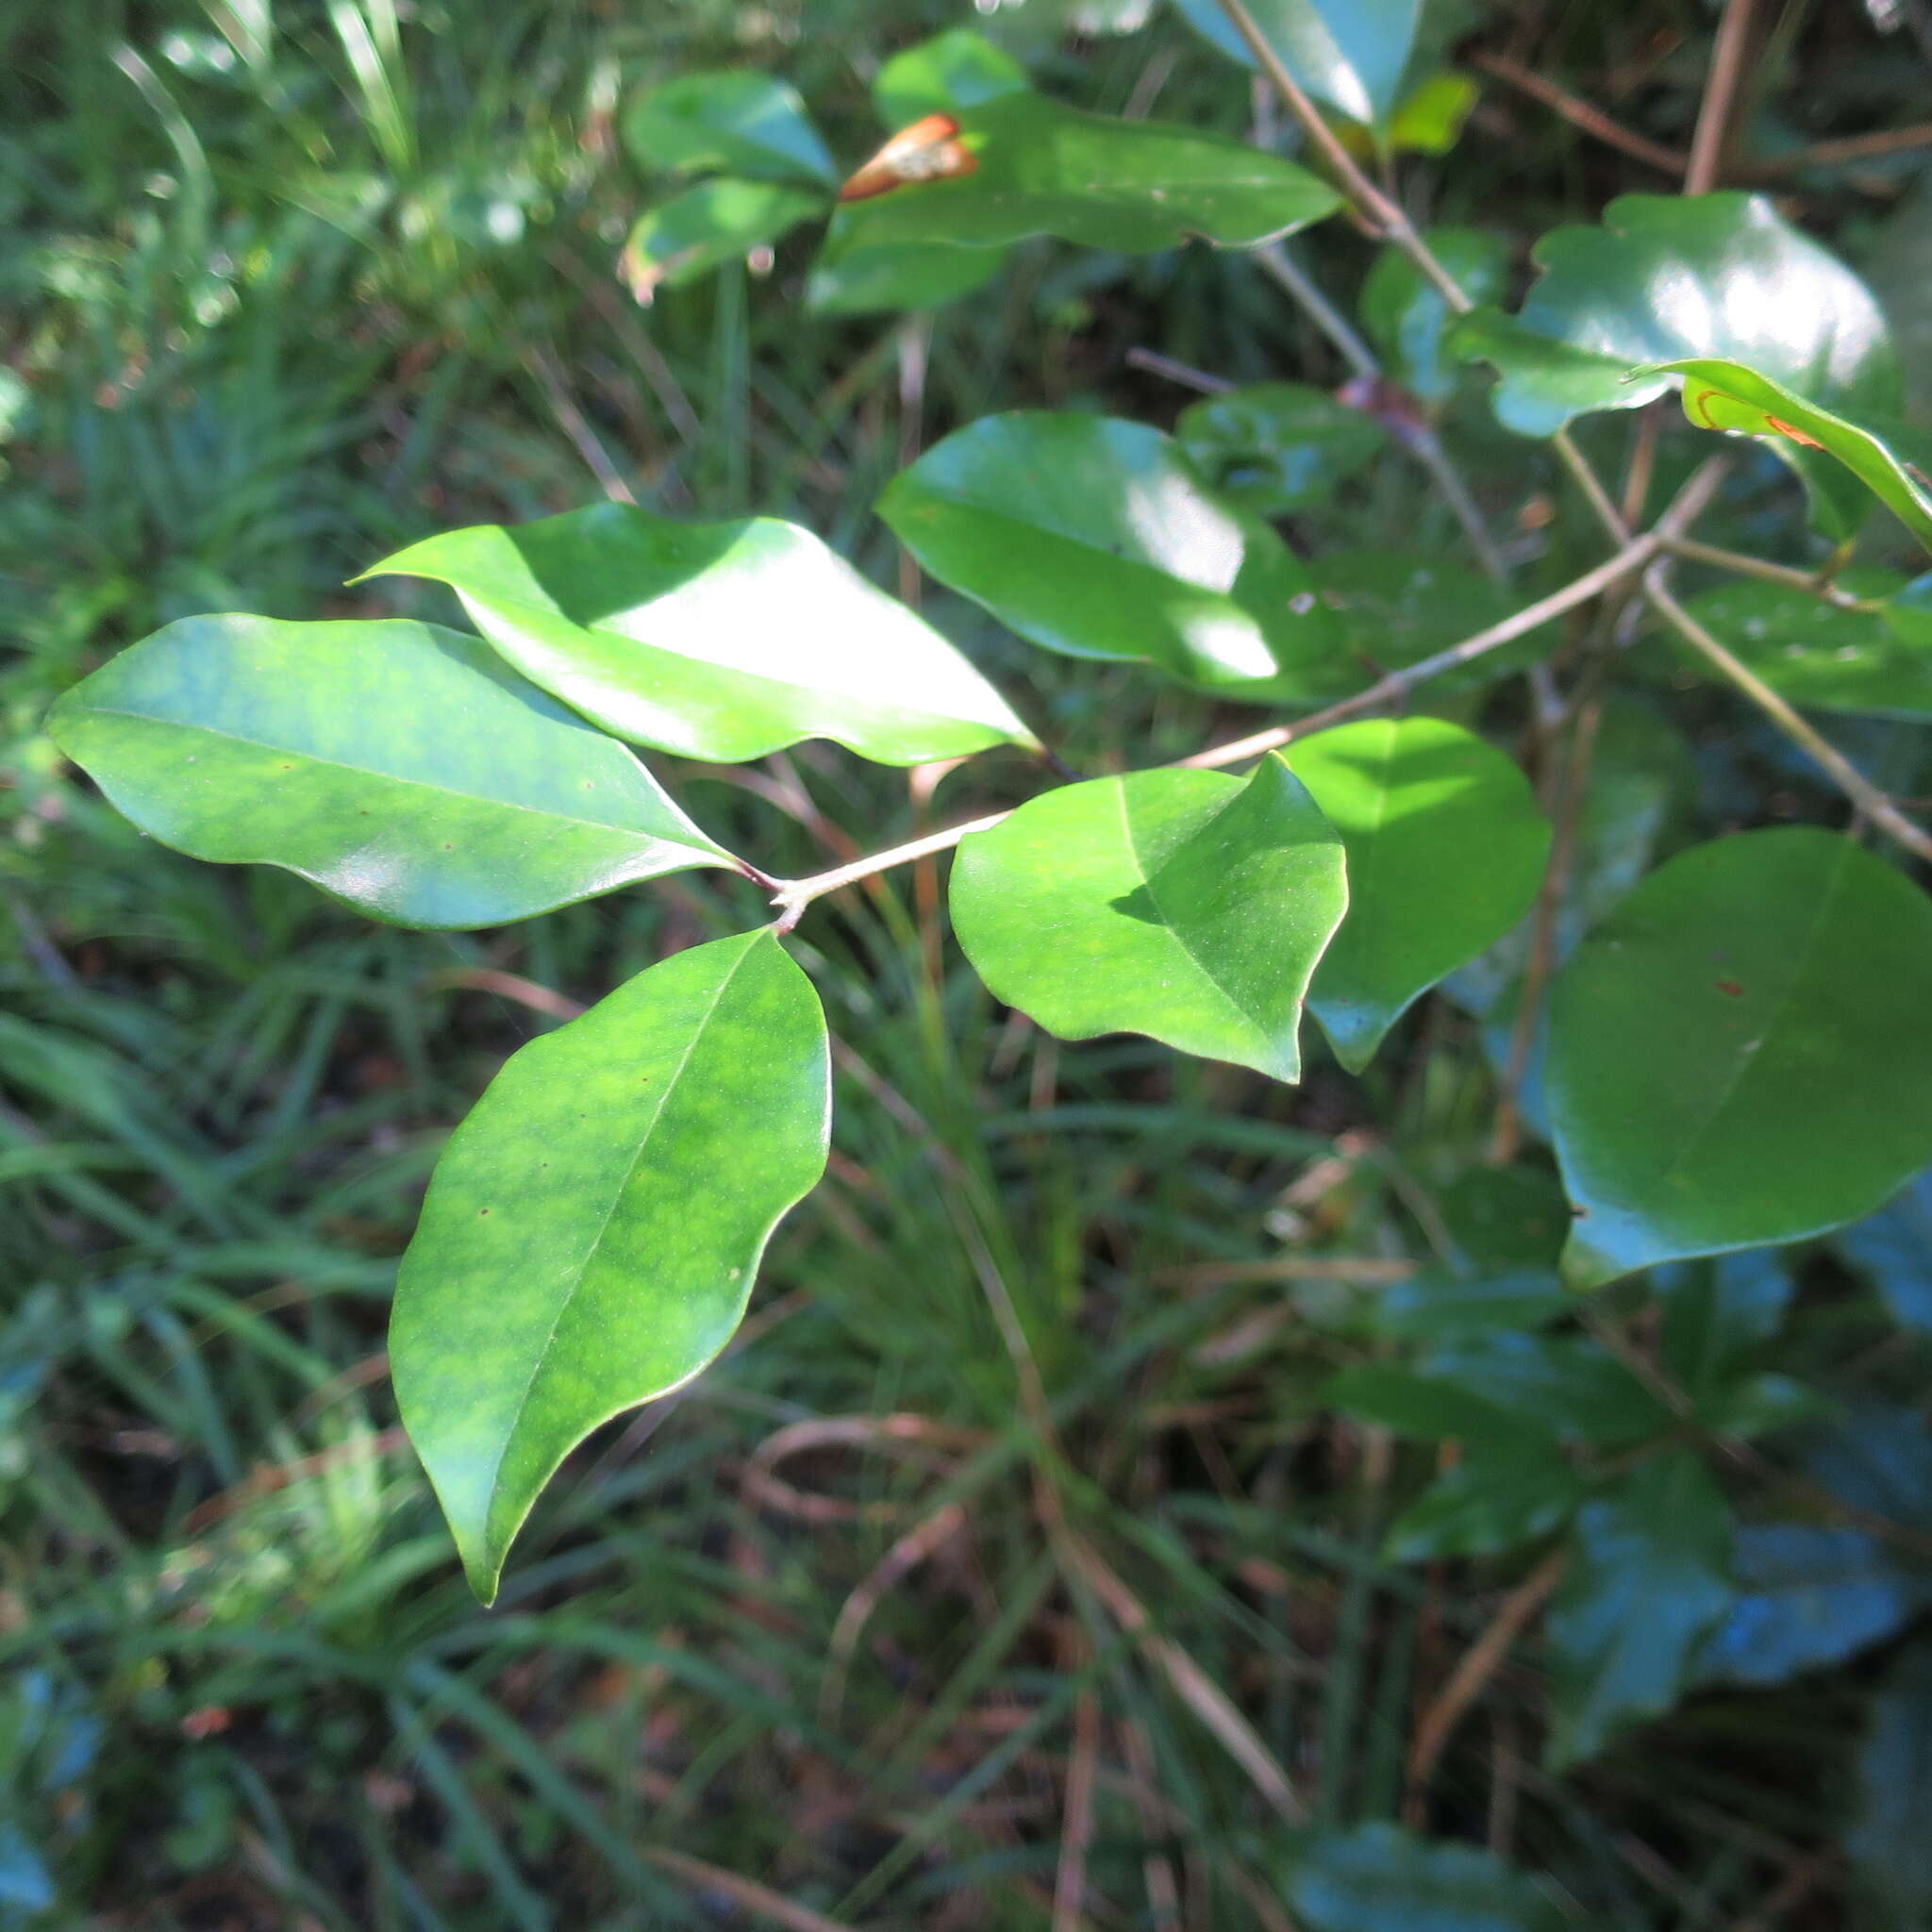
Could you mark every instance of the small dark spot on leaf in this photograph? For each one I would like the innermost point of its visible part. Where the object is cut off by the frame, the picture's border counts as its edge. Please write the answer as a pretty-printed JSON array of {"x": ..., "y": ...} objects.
[{"x": 482, "y": 1211}]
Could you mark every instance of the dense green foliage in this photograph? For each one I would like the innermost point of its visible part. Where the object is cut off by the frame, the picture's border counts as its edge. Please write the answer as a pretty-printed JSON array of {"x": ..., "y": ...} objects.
[{"x": 1459, "y": 1463}]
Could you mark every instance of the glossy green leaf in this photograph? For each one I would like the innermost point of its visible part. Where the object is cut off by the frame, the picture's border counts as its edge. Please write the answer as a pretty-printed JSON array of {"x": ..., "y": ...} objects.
[
  {"x": 1648, "y": 1579},
  {"x": 1667, "y": 276},
  {"x": 720, "y": 641},
  {"x": 1820, "y": 657},
  {"x": 1739, "y": 1054},
  {"x": 398, "y": 766},
  {"x": 1377, "y": 1878},
  {"x": 1406, "y": 317},
  {"x": 851, "y": 277},
  {"x": 1096, "y": 536},
  {"x": 1039, "y": 167},
  {"x": 592, "y": 1232},
  {"x": 946, "y": 74},
  {"x": 709, "y": 225},
  {"x": 1349, "y": 53},
  {"x": 1186, "y": 905},
  {"x": 1893, "y": 1248},
  {"x": 737, "y": 123},
  {"x": 1277, "y": 447},
  {"x": 1890, "y": 1847},
  {"x": 1747, "y": 398},
  {"x": 1808, "y": 1595},
  {"x": 1490, "y": 1501},
  {"x": 1446, "y": 849}
]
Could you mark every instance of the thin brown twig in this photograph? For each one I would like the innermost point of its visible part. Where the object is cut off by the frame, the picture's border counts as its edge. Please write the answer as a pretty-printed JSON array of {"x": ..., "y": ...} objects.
[
  {"x": 1581, "y": 114},
  {"x": 747, "y": 1892},
  {"x": 1850, "y": 147},
  {"x": 793, "y": 896},
  {"x": 1480, "y": 1663},
  {"x": 1714, "y": 116},
  {"x": 924, "y": 1538},
  {"x": 1876, "y": 806},
  {"x": 1740, "y": 563},
  {"x": 1077, "y": 1820}
]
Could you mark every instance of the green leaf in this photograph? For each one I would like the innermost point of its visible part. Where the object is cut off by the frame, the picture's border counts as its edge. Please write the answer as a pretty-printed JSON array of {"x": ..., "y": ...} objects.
[
  {"x": 1877, "y": 1461},
  {"x": 1887, "y": 1838},
  {"x": 1648, "y": 1579},
  {"x": 1097, "y": 538},
  {"x": 1377, "y": 1878},
  {"x": 1404, "y": 312},
  {"x": 1717, "y": 1314},
  {"x": 709, "y": 225},
  {"x": 1747, "y": 399},
  {"x": 1820, "y": 657},
  {"x": 736, "y": 123},
  {"x": 1894, "y": 1248},
  {"x": 1667, "y": 276},
  {"x": 1807, "y": 1596},
  {"x": 1430, "y": 1307},
  {"x": 1505, "y": 1218},
  {"x": 1396, "y": 606},
  {"x": 1429, "y": 119},
  {"x": 1488, "y": 1503},
  {"x": 1186, "y": 905},
  {"x": 592, "y": 1229},
  {"x": 1909, "y": 613},
  {"x": 1349, "y": 53},
  {"x": 1564, "y": 1385},
  {"x": 946, "y": 74},
  {"x": 1277, "y": 447},
  {"x": 850, "y": 278},
  {"x": 720, "y": 641},
  {"x": 1434, "y": 1409},
  {"x": 1037, "y": 167},
  {"x": 398, "y": 766},
  {"x": 1739, "y": 1054},
  {"x": 1446, "y": 849}
]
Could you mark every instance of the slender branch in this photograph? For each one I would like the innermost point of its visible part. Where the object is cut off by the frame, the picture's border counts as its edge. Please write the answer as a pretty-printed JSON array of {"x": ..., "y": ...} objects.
[
  {"x": 1580, "y": 114},
  {"x": 1386, "y": 214},
  {"x": 1850, "y": 147},
  {"x": 1419, "y": 438},
  {"x": 793, "y": 896},
  {"x": 1742, "y": 564},
  {"x": 1875, "y": 804},
  {"x": 1284, "y": 269},
  {"x": 1720, "y": 97},
  {"x": 1398, "y": 684},
  {"x": 1184, "y": 374}
]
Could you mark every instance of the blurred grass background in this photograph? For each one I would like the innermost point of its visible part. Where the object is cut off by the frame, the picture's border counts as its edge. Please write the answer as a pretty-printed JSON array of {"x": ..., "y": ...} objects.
[{"x": 1014, "y": 1489}]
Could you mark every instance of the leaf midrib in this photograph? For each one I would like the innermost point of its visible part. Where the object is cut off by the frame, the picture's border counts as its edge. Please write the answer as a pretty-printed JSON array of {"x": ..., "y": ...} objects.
[
  {"x": 590, "y": 1254},
  {"x": 1749, "y": 1059},
  {"x": 803, "y": 695},
  {"x": 1167, "y": 926},
  {"x": 100, "y": 710}
]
